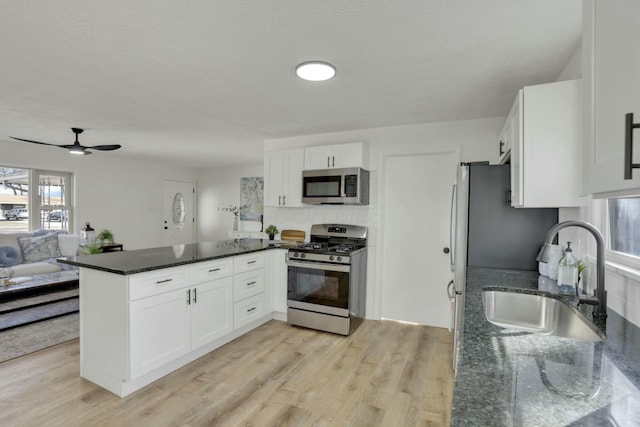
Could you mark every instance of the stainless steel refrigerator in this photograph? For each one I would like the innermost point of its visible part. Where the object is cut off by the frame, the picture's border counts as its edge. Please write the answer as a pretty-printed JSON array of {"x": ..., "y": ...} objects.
[{"x": 487, "y": 232}]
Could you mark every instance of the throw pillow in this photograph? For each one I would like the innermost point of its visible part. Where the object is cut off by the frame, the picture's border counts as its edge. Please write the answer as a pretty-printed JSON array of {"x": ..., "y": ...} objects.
[
  {"x": 68, "y": 244},
  {"x": 9, "y": 256},
  {"x": 38, "y": 248}
]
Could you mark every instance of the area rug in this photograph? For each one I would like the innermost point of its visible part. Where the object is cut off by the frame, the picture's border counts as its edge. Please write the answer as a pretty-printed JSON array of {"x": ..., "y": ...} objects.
[{"x": 23, "y": 340}]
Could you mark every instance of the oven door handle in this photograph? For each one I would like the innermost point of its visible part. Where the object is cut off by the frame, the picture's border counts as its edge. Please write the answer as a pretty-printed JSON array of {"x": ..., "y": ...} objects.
[{"x": 319, "y": 266}]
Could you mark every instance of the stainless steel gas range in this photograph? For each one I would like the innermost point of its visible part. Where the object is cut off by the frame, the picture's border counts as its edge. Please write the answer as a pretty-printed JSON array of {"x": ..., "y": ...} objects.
[{"x": 327, "y": 279}]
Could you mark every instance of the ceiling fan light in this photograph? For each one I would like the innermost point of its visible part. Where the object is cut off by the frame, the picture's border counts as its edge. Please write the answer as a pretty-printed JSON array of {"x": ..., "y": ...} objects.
[
  {"x": 77, "y": 151},
  {"x": 315, "y": 71}
]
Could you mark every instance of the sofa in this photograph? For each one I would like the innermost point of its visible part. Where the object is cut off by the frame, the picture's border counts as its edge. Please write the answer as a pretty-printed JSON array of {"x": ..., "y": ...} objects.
[{"x": 32, "y": 253}]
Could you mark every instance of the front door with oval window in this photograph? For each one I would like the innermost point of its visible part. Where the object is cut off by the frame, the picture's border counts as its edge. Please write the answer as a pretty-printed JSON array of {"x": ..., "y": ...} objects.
[{"x": 178, "y": 212}]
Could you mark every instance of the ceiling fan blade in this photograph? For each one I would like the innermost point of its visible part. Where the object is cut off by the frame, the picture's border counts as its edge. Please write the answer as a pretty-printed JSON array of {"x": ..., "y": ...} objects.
[
  {"x": 36, "y": 142},
  {"x": 105, "y": 147}
]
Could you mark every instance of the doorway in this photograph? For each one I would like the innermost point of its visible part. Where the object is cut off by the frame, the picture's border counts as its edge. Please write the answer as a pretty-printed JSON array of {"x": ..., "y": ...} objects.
[
  {"x": 178, "y": 212},
  {"x": 415, "y": 271}
]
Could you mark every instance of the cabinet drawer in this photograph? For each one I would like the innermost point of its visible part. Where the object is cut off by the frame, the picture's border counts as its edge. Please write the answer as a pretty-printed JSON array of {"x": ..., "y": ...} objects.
[
  {"x": 248, "y": 310},
  {"x": 248, "y": 284},
  {"x": 242, "y": 263},
  {"x": 210, "y": 270},
  {"x": 143, "y": 285}
]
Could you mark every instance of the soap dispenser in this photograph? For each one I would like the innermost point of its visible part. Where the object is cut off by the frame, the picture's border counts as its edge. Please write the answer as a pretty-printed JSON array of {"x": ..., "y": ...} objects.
[{"x": 567, "y": 272}]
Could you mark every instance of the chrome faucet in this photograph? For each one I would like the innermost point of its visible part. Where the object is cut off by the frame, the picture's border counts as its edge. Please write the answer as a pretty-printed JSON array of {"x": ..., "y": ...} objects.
[{"x": 600, "y": 298}]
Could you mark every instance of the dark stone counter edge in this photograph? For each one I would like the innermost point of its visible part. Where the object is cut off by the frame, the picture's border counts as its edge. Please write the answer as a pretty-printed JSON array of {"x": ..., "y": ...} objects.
[{"x": 72, "y": 261}]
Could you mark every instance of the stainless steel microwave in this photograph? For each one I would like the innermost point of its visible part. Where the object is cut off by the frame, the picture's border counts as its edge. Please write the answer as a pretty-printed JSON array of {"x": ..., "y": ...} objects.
[{"x": 348, "y": 186}]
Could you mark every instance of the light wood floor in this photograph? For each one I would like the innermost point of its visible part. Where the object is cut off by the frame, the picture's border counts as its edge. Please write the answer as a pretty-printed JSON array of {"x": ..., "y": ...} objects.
[{"x": 384, "y": 374}]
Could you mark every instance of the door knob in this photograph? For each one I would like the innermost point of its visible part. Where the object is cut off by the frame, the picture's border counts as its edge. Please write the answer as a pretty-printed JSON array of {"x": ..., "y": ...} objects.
[{"x": 445, "y": 250}]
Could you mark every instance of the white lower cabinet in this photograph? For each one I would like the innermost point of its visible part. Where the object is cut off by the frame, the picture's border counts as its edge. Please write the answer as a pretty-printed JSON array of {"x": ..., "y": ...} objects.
[
  {"x": 135, "y": 329},
  {"x": 248, "y": 310},
  {"x": 211, "y": 316},
  {"x": 249, "y": 289},
  {"x": 159, "y": 330},
  {"x": 167, "y": 326},
  {"x": 276, "y": 271}
]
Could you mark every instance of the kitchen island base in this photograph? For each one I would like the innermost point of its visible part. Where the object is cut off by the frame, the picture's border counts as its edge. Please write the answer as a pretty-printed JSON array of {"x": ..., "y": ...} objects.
[{"x": 137, "y": 328}]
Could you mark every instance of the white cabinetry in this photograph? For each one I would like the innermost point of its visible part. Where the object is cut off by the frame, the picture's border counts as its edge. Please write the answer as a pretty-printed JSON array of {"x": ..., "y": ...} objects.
[
  {"x": 248, "y": 289},
  {"x": 507, "y": 134},
  {"x": 159, "y": 331},
  {"x": 611, "y": 72},
  {"x": 211, "y": 301},
  {"x": 283, "y": 177},
  {"x": 545, "y": 137},
  {"x": 137, "y": 328},
  {"x": 166, "y": 324},
  {"x": 276, "y": 272},
  {"x": 334, "y": 156}
]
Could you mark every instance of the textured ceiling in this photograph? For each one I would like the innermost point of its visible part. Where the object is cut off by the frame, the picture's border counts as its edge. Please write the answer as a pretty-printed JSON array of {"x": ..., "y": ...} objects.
[{"x": 204, "y": 82}]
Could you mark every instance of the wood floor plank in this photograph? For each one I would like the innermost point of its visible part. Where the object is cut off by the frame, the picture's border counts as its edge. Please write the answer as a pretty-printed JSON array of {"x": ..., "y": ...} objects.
[{"x": 386, "y": 373}]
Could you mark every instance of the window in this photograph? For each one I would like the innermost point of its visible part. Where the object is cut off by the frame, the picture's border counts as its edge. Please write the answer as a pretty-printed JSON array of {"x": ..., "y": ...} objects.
[
  {"x": 48, "y": 206},
  {"x": 622, "y": 220},
  {"x": 624, "y": 225}
]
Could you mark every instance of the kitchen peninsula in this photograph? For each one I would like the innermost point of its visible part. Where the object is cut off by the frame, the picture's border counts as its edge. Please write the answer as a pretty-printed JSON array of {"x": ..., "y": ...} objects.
[{"x": 145, "y": 313}]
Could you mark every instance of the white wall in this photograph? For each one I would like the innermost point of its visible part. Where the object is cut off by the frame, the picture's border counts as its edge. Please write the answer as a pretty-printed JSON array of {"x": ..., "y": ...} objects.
[
  {"x": 476, "y": 140},
  {"x": 219, "y": 188},
  {"x": 110, "y": 192}
]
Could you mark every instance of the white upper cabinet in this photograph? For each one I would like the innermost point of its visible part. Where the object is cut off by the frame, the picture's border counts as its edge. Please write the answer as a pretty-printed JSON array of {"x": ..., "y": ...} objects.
[
  {"x": 283, "y": 177},
  {"x": 506, "y": 134},
  {"x": 545, "y": 136},
  {"x": 334, "y": 156},
  {"x": 611, "y": 72}
]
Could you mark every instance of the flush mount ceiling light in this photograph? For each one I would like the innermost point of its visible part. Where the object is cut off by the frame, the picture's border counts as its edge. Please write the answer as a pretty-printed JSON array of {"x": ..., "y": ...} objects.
[{"x": 315, "y": 71}]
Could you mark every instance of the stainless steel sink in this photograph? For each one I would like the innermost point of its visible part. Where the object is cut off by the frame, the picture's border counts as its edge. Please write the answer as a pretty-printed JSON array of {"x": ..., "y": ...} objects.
[{"x": 535, "y": 311}]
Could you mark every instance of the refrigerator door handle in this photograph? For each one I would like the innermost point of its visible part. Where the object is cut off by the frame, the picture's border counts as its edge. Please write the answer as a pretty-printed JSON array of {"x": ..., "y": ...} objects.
[
  {"x": 449, "y": 293},
  {"x": 452, "y": 226}
]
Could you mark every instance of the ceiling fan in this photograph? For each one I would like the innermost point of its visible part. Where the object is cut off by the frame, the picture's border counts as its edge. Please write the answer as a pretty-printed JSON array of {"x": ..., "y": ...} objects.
[{"x": 75, "y": 148}]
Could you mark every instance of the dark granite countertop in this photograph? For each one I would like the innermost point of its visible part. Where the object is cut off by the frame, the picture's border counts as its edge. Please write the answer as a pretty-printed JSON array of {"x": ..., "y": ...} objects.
[
  {"x": 141, "y": 260},
  {"x": 509, "y": 378}
]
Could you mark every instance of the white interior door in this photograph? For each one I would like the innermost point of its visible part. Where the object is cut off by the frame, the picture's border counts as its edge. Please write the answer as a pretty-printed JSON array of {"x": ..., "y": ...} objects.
[
  {"x": 178, "y": 212},
  {"x": 416, "y": 271}
]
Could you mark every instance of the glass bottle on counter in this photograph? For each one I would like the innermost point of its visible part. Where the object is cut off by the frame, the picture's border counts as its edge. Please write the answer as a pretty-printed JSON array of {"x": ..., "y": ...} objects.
[{"x": 567, "y": 272}]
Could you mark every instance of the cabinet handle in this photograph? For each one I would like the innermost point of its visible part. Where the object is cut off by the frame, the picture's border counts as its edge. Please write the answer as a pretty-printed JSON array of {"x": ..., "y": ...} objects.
[
  {"x": 333, "y": 161},
  {"x": 195, "y": 295},
  {"x": 251, "y": 262},
  {"x": 284, "y": 200},
  {"x": 328, "y": 158},
  {"x": 628, "y": 146},
  {"x": 251, "y": 283},
  {"x": 163, "y": 281},
  {"x": 214, "y": 270},
  {"x": 500, "y": 151},
  {"x": 251, "y": 309},
  {"x": 279, "y": 200},
  {"x": 508, "y": 197},
  {"x": 188, "y": 296}
]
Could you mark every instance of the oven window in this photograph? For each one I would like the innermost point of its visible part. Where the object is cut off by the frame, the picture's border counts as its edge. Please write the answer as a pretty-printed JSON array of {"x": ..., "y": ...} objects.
[
  {"x": 325, "y": 186},
  {"x": 330, "y": 288}
]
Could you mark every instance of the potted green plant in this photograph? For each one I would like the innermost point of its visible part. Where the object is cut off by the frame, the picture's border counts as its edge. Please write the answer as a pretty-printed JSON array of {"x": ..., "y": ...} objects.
[
  {"x": 105, "y": 237},
  {"x": 91, "y": 249},
  {"x": 271, "y": 231}
]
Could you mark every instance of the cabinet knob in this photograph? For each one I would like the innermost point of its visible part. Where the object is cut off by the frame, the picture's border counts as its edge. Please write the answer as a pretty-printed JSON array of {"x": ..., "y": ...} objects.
[{"x": 445, "y": 250}]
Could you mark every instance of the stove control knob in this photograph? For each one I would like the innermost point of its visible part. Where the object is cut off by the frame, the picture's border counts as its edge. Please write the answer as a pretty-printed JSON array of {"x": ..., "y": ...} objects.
[
  {"x": 331, "y": 258},
  {"x": 303, "y": 255},
  {"x": 295, "y": 254},
  {"x": 339, "y": 258}
]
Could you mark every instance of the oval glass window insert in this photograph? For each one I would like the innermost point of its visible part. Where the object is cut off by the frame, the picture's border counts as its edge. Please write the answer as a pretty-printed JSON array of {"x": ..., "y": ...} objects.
[{"x": 178, "y": 212}]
